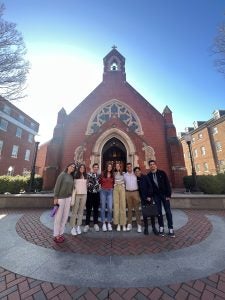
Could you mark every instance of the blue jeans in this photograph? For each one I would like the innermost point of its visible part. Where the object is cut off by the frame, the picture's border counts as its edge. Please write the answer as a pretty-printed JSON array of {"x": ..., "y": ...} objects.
[{"x": 106, "y": 197}]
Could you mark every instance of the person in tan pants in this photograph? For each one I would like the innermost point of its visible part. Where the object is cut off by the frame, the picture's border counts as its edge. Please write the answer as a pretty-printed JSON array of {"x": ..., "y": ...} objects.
[
  {"x": 80, "y": 183},
  {"x": 132, "y": 197},
  {"x": 119, "y": 199}
]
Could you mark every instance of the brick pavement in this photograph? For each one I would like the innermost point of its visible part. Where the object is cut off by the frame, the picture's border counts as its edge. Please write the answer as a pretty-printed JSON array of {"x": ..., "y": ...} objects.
[{"x": 15, "y": 286}]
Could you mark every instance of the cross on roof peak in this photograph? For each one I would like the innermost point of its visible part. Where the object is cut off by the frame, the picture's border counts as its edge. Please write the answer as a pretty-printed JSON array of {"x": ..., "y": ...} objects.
[{"x": 114, "y": 46}]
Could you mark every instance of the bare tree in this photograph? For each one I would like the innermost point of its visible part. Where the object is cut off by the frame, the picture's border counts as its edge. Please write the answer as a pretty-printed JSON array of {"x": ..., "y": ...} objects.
[
  {"x": 13, "y": 65},
  {"x": 219, "y": 49}
]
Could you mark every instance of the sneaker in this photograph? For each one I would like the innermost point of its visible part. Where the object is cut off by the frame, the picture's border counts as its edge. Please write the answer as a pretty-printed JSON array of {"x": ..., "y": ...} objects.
[
  {"x": 124, "y": 228},
  {"x": 78, "y": 230},
  {"x": 146, "y": 231},
  {"x": 155, "y": 231},
  {"x": 109, "y": 227},
  {"x": 86, "y": 228},
  {"x": 171, "y": 233},
  {"x": 118, "y": 228},
  {"x": 73, "y": 231},
  {"x": 104, "y": 228},
  {"x": 139, "y": 228},
  {"x": 161, "y": 231},
  {"x": 96, "y": 227},
  {"x": 129, "y": 227}
]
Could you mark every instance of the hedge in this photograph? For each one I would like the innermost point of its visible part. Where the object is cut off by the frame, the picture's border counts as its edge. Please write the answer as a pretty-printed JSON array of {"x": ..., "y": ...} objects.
[
  {"x": 208, "y": 184},
  {"x": 18, "y": 184}
]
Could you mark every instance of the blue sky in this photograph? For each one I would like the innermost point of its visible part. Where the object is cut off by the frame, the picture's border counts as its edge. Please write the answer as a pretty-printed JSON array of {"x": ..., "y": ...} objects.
[{"x": 166, "y": 43}]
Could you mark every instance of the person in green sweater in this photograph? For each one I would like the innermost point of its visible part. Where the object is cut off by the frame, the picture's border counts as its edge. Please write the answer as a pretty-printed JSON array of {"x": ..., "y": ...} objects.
[{"x": 62, "y": 196}]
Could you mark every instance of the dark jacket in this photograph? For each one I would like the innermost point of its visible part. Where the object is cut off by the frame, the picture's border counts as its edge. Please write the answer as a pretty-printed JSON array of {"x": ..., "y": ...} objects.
[
  {"x": 164, "y": 187},
  {"x": 145, "y": 188}
]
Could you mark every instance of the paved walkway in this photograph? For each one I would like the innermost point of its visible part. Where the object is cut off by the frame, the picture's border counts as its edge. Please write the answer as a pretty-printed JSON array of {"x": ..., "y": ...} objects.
[{"x": 112, "y": 265}]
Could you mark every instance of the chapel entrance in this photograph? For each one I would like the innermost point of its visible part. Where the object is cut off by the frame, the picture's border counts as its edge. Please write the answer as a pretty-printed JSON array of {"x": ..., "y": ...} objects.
[{"x": 114, "y": 151}]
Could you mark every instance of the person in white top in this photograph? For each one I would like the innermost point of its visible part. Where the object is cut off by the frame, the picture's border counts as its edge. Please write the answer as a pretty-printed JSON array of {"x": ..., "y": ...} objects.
[
  {"x": 119, "y": 199},
  {"x": 80, "y": 183},
  {"x": 132, "y": 197}
]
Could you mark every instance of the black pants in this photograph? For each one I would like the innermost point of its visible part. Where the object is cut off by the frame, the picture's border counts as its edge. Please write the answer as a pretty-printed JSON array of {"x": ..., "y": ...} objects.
[
  {"x": 146, "y": 222},
  {"x": 161, "y": 200},
  {"x": 93, "y": 201}
]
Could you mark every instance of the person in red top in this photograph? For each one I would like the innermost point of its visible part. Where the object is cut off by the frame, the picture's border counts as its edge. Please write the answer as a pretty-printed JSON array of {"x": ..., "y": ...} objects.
[{"x": 106, "y": 196}]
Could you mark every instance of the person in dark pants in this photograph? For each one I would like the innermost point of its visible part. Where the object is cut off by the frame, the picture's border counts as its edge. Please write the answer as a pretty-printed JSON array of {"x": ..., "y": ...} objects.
[
  {"x": 161, "y": 194},
  {"x": 146, "y": 193},
  {"x": 93, "y": 198}
]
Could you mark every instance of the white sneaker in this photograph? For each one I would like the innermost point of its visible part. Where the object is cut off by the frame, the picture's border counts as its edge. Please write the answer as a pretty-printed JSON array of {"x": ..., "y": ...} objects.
[
  {"x": 86, "y": 228},
  {"x": 139, "y": 228},
  {"x": 118, "y": 228},
  {"x": 104, "y": 228},
  {"x": 129, "y": 227},
  {"x": 124, "y": 228},
  {"x": 96, "y": 227},
  {"x": 73, "y": 231},
  {"x": 78, "y": 230},
  {"x": 109, "y": 227}
]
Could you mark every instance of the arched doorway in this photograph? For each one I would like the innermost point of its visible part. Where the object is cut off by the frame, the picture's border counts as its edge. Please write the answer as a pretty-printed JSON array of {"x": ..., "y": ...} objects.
[{"x": 114, "y": 151}]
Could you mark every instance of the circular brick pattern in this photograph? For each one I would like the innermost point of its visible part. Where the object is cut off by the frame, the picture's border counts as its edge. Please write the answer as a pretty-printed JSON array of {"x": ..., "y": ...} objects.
[{"x": 198, "y": 227}]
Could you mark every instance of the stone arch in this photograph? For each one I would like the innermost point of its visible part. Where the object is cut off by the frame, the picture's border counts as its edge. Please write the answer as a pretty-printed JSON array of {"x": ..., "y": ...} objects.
[
  {"x": 114, "y": 109},
  {"x": 96, "y": 156}
]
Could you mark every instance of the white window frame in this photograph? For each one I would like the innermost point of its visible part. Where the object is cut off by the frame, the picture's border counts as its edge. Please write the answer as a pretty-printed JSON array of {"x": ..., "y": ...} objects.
[
  {"x": 7, "y": 109},
  {"x": 30, "y": 138},
  {"x": 19, "y": 132},
  {"x": 214, "y": 130},
  {"x": 1, "y": 147},
  {"x": 4, "y": 124},
  {"x": 218, "y": 146},
  {"x": 27, "y": 155},
  {"x": 15, "y": 151},
  {"x": 203, "y": 151},
  {"x": 206, "y": 167}
]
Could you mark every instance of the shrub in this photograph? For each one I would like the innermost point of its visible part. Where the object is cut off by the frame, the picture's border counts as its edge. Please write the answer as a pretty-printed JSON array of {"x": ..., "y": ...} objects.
[
  {"x": 207, "y": 184},
  {"x": 16, "y": 184}
]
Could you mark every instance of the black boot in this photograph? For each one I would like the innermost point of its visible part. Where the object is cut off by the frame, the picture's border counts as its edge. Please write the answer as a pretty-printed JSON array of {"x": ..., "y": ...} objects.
[
  {"x": 154, "y": 230},
  {"x": 146, "y": 231}
]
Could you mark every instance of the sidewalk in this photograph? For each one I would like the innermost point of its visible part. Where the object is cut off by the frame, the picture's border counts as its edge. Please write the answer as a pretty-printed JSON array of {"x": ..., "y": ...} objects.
[{"x": 112, "y": 265}]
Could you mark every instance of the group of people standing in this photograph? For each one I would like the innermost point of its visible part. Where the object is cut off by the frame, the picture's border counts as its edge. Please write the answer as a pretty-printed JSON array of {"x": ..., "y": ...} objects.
[{"x": 111, "y": 189}]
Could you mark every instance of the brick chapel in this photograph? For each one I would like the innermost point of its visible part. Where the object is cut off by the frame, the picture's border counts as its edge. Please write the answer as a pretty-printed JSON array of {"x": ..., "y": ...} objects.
[{"x": 113, "y": 123}]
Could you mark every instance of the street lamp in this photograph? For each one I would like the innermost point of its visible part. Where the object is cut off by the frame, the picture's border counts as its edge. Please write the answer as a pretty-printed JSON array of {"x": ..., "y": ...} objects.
[
  {"x": 187, "y": 138},
  {"x": 32, "y": 173}
]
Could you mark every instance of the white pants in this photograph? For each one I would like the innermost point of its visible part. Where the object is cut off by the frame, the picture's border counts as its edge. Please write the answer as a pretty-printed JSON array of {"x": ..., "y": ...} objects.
[{"x": 61, "y": 216}]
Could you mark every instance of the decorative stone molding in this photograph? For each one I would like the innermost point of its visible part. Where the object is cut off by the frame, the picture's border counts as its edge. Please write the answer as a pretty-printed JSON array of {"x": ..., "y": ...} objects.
[
  {"x": 149, "y": 154},
  {"x": 105, "y": 137},
  {"x": 114, "y": 109}
]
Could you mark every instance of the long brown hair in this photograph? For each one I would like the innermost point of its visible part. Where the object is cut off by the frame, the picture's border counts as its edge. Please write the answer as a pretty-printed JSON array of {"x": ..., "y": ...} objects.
[
  {"x": 106, "y": 170},
  {"x": 66, "y": 169},
  {"x": 78, "y": 173}
]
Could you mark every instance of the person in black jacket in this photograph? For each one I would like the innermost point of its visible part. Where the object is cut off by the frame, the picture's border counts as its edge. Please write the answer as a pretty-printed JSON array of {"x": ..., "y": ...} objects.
[
  {"x": 146, "y": 193},
  {"x": 161, "y": 194}
]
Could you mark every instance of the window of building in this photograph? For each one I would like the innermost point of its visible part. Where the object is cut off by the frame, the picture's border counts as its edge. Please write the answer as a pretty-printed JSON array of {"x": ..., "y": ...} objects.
[
  {"x": 200, "y": 136},
  {"x": 1, "y": 146},
  {"x": 32, "y": 125},
  {"x": 214, "y": 130},
  {"x": 27, "y": 155},
  {"x": 197, "y": 168},
  {"x": 19, "y": 132},
  {"x": 10, "y": 171},
  {"x": 21, "y": 118},
  {"x": 195, "y": 153},
  {"x": 3, "y": 124},
  {"x": 193, "y": 140},
  {"x": 15, "y": 151},
  {"x": 7, "y": 109},
  {"x": 30, "y": 138},
  {"x": 206, "y": 167},
  {"x": 218, "y": 146},
  {"x": 203, "y": 151}
]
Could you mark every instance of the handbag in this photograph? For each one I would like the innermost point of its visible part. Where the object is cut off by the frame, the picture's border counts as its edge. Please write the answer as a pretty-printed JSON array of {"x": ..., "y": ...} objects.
[
  {"x": 73, "y": 197},
  {"x": 150, "y": 210}
]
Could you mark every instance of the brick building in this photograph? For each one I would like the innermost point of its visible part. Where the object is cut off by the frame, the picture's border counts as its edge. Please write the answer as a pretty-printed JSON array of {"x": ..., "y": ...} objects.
[
  {"x": 113, "y": 123},
  {"x": 208, "y": 145},
  {"x": 17, "y": 145}
]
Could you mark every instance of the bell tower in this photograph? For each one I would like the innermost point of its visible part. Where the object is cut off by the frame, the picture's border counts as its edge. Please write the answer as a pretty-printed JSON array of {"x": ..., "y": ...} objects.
[{"x": 114, "y": 66}]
